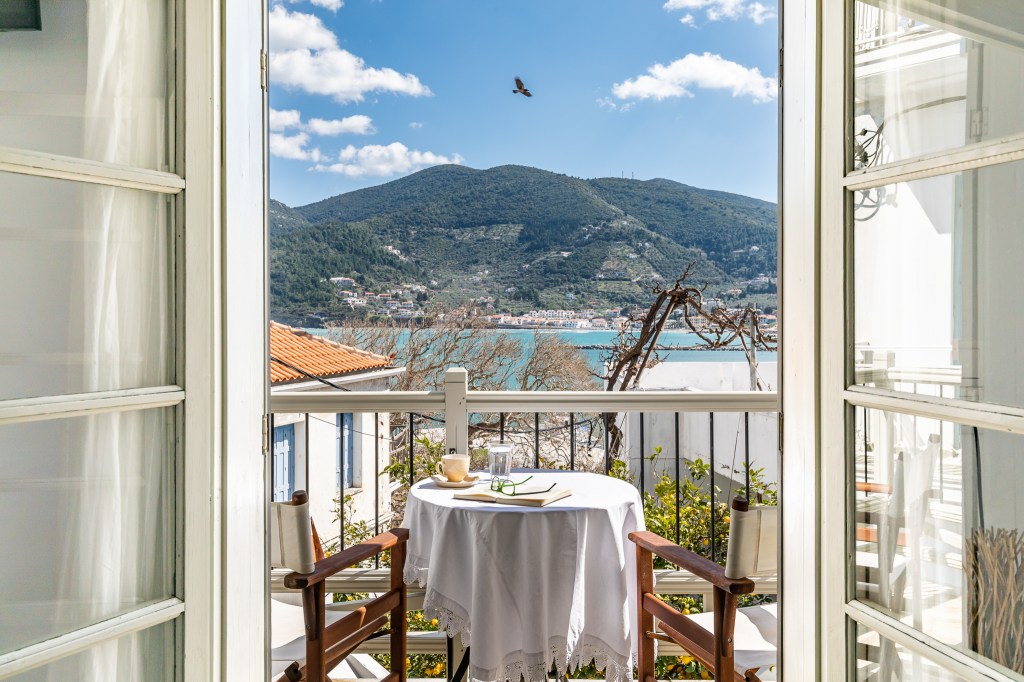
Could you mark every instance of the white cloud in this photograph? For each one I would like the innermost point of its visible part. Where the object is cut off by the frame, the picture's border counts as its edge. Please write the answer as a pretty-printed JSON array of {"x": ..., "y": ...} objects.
[
  {"x": 709, "y": 71},
  {"x": 759, "y": 13},
  {"x": 294, "y": 147},
  {"x": 304, "y": 55},
  {"x": 333, "y": 5},
  {"x": 716, "y": 10},
  {"x": 384, "y": 160},
  {"x": 612, "y": 105},
  {"x": 355, "y": 125},
  {"x": 296, "y": 31},
  {"x": 283, "y": 120},
  {"x": 415, "y": 124},
  {"x": 688, "y": 20}
]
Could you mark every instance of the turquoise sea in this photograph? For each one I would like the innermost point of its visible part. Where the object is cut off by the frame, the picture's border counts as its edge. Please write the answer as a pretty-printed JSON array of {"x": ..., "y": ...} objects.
[{"x": 596, "y": 337}]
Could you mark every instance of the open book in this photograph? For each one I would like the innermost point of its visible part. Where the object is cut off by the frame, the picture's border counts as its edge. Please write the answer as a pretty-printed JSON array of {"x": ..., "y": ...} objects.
[{"x": 539, "y": 497}]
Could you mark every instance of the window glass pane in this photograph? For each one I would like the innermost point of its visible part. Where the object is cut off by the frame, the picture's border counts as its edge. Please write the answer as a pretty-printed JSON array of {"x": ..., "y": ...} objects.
[
  {"x": 92, "y": 83},
  {"x": 90, "y": 501},
  {"x": 937, "y": 282},
  {"x": 85, "y": 275},
  {"x": 879, "y": 658},
  {"x": 931, "y": 75},
  {"x": 923, "y": 491},
  {"x": 145, "y": 656}
]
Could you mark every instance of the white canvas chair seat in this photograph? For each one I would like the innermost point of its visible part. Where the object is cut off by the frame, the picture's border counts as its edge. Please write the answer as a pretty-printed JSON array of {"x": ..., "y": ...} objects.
[
  {"x": 868, "y": 578},
  {"x": 756, "y": 636},
  {"x": 742, "y": 646},
  {"x": 330, "y": 635},
  {"x": 288, "y": 618}
]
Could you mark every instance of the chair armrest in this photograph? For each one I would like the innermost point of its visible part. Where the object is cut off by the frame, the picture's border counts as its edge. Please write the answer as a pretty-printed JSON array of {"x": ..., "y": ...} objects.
[
  {"x": 692, "y": 562},
  {"x": 871, "y": 487},
  {"x": 347, "y": 558}
]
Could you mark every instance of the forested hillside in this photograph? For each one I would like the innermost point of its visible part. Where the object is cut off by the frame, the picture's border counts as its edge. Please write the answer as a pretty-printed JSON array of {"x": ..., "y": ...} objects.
[{"x": 521, "y": 236}]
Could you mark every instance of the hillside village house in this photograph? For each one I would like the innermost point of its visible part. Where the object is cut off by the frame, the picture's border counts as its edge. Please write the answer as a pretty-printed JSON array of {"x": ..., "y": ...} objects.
[
  {"x": 326, "y": 454},
  {"x": 134, "y": 400}
]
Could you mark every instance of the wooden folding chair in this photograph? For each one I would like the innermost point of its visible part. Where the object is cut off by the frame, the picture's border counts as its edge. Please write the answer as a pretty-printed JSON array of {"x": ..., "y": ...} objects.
[
  {"x": 327, "y": 643},
  {"x": 730, "y": 642}
]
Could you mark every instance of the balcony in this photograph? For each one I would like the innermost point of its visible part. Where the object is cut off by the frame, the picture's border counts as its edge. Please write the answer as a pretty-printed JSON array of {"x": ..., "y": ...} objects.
[{"x": 663, "y": 434}]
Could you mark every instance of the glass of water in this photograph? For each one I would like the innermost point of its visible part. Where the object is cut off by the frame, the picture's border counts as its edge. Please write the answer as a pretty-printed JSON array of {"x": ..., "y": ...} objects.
[{"x": 499, "y": 460}]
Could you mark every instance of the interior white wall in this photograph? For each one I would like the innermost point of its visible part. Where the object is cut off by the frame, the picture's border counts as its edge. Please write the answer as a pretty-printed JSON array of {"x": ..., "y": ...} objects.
[
  {"x": 33, "y": 519},
  {"x": 316, "y": 462},
  {"x": 41, "y": 252},
  {"x": 995, "y": 209},
  {"x": 43, "y": 81},
  {"x": 903, "y": 257},
  {"x": 321, "y": 460}
]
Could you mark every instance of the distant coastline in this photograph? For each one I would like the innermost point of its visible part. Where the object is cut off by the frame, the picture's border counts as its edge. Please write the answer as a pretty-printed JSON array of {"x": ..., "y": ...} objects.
[{"x": 679, "y": 345}]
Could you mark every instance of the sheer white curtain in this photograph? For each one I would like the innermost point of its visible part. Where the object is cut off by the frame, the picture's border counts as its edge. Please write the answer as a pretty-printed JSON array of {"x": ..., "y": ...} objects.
[{"x": 124, "y": 463}]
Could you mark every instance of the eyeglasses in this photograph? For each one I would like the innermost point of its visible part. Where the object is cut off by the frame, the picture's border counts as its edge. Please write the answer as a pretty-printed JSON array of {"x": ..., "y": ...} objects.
[{"x": 507, "y": 486}]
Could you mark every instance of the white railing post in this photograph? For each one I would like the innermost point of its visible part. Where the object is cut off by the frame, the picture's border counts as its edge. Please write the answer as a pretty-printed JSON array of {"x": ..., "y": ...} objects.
[{"x": 456, "y": 418}]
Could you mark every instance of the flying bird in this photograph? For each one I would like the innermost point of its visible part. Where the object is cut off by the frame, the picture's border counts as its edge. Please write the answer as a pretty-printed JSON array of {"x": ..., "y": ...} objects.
[{"x": 520, "y": 88}]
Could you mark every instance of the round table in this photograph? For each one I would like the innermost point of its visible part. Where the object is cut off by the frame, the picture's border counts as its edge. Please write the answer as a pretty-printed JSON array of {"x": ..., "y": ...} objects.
[{"x": 531, "y": 588}]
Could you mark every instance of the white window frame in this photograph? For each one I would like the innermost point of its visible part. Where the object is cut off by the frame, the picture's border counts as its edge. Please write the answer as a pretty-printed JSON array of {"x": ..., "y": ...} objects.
[
  {"x": 219, "y": 113},
  {"x": 801, "y": 654},
  {"x": 226, "y": 498},
  {"x": 838, "y": 394}
]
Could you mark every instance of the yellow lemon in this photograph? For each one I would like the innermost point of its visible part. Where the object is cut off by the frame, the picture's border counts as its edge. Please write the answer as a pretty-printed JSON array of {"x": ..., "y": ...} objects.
[
  {"x": 726, "y": 520},
  {"x": 687, "y": 660},
  {"x": 434, "y": 622},
  {"x": 686, "y": 612},
  {"x": 704, "y": 675}
]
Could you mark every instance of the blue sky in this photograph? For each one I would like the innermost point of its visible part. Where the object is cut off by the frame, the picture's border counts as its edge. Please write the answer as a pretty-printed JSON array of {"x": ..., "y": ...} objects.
[{"x": 367, "y": 91}]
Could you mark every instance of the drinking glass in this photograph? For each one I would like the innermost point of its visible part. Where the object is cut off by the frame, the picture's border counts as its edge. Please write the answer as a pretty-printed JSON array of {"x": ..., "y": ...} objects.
[{"x": 499, "y": 460}]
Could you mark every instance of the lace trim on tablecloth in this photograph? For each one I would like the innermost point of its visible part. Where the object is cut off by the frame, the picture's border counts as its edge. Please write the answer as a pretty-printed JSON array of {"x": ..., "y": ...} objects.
[
  {"x": 533, "y": 667},
  {"x": 415, "y": 572},
  {"x": 451, "y": 617}
]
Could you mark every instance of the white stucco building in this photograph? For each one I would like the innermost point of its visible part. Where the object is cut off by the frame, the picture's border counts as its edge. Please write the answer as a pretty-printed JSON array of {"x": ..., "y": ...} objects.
[{"x": 327, "y": 453}]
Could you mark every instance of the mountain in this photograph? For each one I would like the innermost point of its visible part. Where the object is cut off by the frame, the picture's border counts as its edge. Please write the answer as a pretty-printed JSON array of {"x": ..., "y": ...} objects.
[
  {"x": 283, "y": 219},
  {"x": 523, "y": 236}
]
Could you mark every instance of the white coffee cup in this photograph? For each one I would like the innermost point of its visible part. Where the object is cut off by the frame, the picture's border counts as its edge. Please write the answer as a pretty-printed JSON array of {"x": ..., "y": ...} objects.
[{"x": 453, "y": 467}]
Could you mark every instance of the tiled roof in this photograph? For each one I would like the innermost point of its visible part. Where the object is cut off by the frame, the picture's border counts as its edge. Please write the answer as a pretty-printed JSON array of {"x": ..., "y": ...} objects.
[{"x": 315, "y": 355}]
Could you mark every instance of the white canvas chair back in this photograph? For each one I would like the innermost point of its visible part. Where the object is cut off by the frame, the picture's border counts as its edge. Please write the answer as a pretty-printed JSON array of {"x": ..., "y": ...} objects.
[
  {"x": 753, "y": 541},
  {"x": 291, "y": 538}
]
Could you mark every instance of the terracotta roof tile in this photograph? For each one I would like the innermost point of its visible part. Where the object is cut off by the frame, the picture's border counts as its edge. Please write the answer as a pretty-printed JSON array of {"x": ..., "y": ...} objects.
[{"x": 316, "y": 355}]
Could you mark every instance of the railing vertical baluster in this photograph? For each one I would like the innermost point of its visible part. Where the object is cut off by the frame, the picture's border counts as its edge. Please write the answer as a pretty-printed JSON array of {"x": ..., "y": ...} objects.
[
  {"x": 376, "y": 481},
  {"x": 678, "y": 510},
  {"x": 643, "y": 449},
  {"x": 536, "y": 440},
  {"x": 942, "y": 474},
  {"x": 501, "y": 427},
  {"x": 572, "y": 441},
  {"x": 607, "y": 444},
  {"x": 412, "y": 470},
  {"x": 711, "y": 468},
  {"x": 341, "y": 491},
  {"x": 271, "y": 464},
  {"x": 746, "y": 454},
  {"x": 865, "y": 434}
]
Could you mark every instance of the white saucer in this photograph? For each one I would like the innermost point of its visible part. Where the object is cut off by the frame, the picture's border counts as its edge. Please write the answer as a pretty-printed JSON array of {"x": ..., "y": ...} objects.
[{"x": 442, "y": 482}]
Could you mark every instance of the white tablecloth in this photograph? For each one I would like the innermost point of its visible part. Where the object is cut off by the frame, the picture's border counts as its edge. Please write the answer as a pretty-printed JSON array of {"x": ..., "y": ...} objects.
[{"x": 531, "y": 587}]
